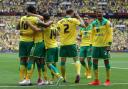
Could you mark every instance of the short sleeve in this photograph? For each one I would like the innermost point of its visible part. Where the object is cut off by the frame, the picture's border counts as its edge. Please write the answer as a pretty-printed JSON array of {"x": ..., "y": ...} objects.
[{"x": 76, "y": 21}]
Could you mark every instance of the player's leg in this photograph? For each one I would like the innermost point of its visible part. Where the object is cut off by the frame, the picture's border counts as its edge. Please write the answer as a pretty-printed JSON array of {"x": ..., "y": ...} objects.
[
  {"x": 82, "y": 55},
  {"x": 89, "y": 60},
  {"x": 30, "y": 67},
  {"x": 53, "y": 77},
  {"x": 40, "y": 55},
  {"x": 55, "y": 64},
  {"x": 78, "y": 68},
  {"x": 73, "y": 53},
  {"x": 42, "y": 69},
  {"x": 39, "y": 68},
  {"x": 106, "y": 56},
  {"x": 23, "y": 60},
  {"x": 63, "y": 68},
  {"x": 95, "y": 69},
  {"x": 63, "y": 54},
  {"x": 31, "y": 64},
  {"x": 50, "y": 54},
  {"x": 23, "y": 68},
  {"x": 107, "y": 66},
  {"x": 89, "y": 67},
  {"x": 95, "y": 55},
  {"x": 24, "y": 52}
]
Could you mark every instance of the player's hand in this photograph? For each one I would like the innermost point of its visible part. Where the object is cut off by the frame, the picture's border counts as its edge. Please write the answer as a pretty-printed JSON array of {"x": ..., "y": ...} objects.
[
  {"x": 50, "y": 22},
  {"x": 76, "y": 15}
]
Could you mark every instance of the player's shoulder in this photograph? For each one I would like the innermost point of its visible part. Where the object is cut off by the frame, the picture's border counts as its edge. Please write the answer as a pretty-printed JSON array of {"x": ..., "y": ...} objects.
[
  {"x": 94, "y": 22},
  {"x": 106, "y": 21},
  {"x": 33, "y": 17},
  {"x": 73, "y": 19},
  {"x": 61, "y": 21},
  {"x": 23, "y": 17}
]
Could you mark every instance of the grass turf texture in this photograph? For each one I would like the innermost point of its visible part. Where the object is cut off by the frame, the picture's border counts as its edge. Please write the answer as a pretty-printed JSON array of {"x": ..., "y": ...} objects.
[{"x": 9, "y": 74}]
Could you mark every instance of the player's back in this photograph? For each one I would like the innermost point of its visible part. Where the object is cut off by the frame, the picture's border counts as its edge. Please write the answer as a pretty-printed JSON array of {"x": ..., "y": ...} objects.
[
  {"x": 68, "y": 33},
  {"x": 25, "y": 29},
  {"x": 50, "y": 34}
]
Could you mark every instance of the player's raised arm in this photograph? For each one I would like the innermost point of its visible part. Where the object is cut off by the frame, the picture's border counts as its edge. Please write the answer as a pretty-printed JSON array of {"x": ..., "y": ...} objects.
[
  {"x": 43, "y": 24},
  {"x": 33, "y": 27},
  {"x": 80, "y": 19},
  {"x": 36, "y": 15},
  {"x": 41, "y": 20}
]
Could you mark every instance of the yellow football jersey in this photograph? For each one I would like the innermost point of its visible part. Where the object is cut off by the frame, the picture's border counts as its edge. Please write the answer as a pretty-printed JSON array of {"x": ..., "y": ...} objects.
[
  {"x": 86, "y": 37},
  {"x": 38, "y": 37},
  {"x": 102, "y": 33},
  {"x": 25, "y": 29},
  {"x": 50, "y": 34},
  {"x": 67, "y": 28}
]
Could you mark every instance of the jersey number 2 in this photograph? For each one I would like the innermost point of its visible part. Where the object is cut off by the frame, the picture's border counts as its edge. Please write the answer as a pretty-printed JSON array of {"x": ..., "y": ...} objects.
[{"x": 66, "y": 28}]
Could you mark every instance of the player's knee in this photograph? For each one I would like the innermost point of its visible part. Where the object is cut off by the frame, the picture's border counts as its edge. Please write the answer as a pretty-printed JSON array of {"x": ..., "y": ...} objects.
[
  {"x": 43, "y": 69},
  {"x": 23, "y": 62},
  {"x": 82, "y": 61},
  {"x": 107, "y": 66},
  {"x": 29, "y": 66},
  {"x": 48, "y": 65},
  {"x": 63, "y": 59},
  {"x": 95, "y": 66},
  {"x": 62, "y": 63}
]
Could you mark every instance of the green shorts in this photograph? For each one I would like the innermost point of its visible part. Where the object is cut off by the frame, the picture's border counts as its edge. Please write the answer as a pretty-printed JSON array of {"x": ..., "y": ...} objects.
[
  {"x": 85, "y": 51},
  {"x": 38, "y": 50},
  {"x": 100, "y": 52},
  {"x": 52, "y": 55},
  {"x": 25, "y": 48},
  {"x": 68, "y": 51}
]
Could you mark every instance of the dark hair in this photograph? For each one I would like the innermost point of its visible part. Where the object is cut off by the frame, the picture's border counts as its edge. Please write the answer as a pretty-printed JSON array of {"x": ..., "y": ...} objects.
[
  {"x": 69, "y": 11},
  {"x": 46, "y": 16},
  {"x": 31, "y": 9}
]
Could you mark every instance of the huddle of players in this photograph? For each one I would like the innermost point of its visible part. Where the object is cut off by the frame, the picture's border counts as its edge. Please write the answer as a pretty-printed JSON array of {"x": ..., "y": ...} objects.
[{"x": 38, "y": 44}]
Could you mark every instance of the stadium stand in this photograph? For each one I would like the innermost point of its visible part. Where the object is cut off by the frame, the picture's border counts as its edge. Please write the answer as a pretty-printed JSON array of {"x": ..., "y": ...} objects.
[
  {"x": 55, "y": 6},
  {"x": 8, "y": 34}
]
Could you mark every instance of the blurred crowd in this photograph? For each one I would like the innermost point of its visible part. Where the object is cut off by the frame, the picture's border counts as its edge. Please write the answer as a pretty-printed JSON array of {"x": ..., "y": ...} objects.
[
  {"x": 120, "y": 34},
  {"x": 9, "y": 35},
  {"x": 58, "y": 6}
]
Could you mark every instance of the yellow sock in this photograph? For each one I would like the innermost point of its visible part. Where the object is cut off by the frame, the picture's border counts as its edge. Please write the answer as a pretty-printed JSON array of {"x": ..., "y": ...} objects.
[
  {"x": 78, "y": 67},
  {"x": 39, "y": 74},
  {"x": 45, "y": 73},
  {"x": 30, "y": 72},
  {"x": 96, "y": 74},
  {"x": 56, "y": 74},
  {"x": 22, "y": 72},
  {"x": 62, "y": 68},
  {"x": 108, "y": 74},
  {"x": 86, "y": 71}
]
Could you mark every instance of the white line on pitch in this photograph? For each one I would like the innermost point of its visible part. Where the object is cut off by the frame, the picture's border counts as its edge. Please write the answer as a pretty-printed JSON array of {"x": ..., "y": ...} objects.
[
  {"x": 112, "y": 67},
  {"x": 63, "y": 85}
]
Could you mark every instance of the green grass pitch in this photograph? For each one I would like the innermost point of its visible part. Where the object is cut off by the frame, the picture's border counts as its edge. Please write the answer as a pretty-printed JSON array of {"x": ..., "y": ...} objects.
[{"x": 9, "y": 74}]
